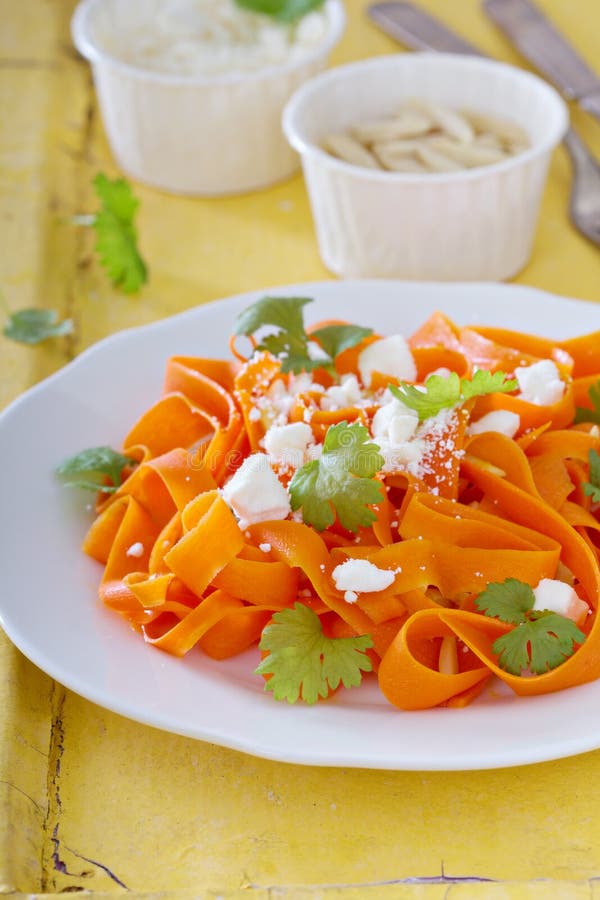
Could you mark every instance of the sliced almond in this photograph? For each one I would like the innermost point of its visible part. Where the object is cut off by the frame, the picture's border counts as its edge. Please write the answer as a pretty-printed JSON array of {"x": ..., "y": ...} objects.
[
  {"x": 436, "y": 161},
  {"x": 447, "y": 120},
  {"x": 405, "y": 125},
  {"x": 488, "y": 139},
  {"x": 506, "y": 131},
  {"x": 470, "y": 155},
  {"x": 448, "y": 658},
  {"x": 345, "y": 147},
  {"x": 398, "y": 162}
]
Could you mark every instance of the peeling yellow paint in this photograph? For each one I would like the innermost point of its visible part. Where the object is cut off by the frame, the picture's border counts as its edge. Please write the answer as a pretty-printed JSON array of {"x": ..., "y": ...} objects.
[{"x": 93, "y": 802}]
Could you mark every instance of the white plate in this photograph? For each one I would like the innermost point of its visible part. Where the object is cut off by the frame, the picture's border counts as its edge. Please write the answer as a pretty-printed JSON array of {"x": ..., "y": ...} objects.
[{"x": 48, "y": 603}]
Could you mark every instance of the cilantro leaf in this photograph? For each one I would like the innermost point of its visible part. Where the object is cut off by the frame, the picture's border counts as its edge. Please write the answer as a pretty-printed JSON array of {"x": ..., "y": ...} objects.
[
  {"x": 341, "y": 481},
  {"x": 116, "y": 236},
  {"x": 88, "y": 469},
  {"x": 281, "y": 10},
  {"x": 440, "y": 392},
  {"x": 582, "y": 414},
  {"x": 508, "y": 601},
  {"x": 290, "y": 342},
  {"x": 334, "y": 339},
  {"x": 484, "y": 382},
  {"x": 592, "y": 487},
  {"x": 540, "y": 644},
  {"x": 31, "y": 326},
  {"x": 541, "y": 639},
  {"x": 303, "y": 663}
]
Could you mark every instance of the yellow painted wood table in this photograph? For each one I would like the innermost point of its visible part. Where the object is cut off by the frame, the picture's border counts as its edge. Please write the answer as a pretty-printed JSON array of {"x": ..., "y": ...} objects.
[{"x": 93, "y": 802}]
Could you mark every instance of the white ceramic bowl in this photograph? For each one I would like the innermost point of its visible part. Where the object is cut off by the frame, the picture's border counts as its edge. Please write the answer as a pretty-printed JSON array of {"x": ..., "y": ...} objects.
[
  {"x": 189, "y": 134},
  {"x": 477, "y": 224}
]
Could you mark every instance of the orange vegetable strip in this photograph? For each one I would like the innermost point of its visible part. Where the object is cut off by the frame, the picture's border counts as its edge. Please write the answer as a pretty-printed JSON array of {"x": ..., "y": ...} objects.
[
  {"x": 190, "y": 374},
  {"x": 454, "y": 570},
  {"x": 135, "y": 537},
  {"x": 502, "y": 452},
  {"x": 272, "y": 584},
  {"x": 167, "y": 538},
  {"x": 184, "y": 375},
  {"x": 183, "y": 479},
  {"x": 564, "y": 444},
  {"x": 437, "y": 331},
  {"x": 429, "y": 359},
  {"x": 551, "y": 479},
  {"x": 172, "y": 422},
  {"x": 408, "y": 676},
  {"x": 150, "y": 592},
  {"x": 585, "y": 353},
  {"x": 207, "y": 548},
  {"x": 583, "y": 666},
  {"x": 235, "y": 632},
  {"x": 117, "y": 595},
  {"x": 102, "y": 532},
  {"x": 465, "y": 526},
  {"x": 581, "y": 389},
  {"x": 531, "y": 344},
  {"x": 487, "y": 354},
  {"x": 559, "y": 414},
  {"x": 299, "y": 546},
  {"x": 179, "y": 639},
  {"x": 531, "y": 511}
]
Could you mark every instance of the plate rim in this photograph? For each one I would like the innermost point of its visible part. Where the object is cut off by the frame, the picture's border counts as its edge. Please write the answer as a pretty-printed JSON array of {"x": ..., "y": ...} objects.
[{"x": 214, "y": 734}]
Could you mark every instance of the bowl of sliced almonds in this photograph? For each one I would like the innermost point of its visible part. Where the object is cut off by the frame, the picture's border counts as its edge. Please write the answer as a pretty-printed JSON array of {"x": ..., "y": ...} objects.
[{"x": 425, "y": 166}]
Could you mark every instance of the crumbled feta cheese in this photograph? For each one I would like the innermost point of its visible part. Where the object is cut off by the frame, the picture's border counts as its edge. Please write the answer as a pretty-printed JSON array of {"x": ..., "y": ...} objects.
[
  {"x": 350, "y": 596},
  {"x": 390, "y": 356},
  {"x": 264, "y": 548},
  {"x": 540, "y": 383},
  {"x": 136, "y": 550},
  {"x": 361, "y": 576},
  {"x": 553, "y": 595},
  {"x": 394, "y": 418},
  {"x": 339, "y": 396},
  {"x": 287, "y": 444},
  {"x": 501, "y": 420},
  {"x": 255, "y": 493}
]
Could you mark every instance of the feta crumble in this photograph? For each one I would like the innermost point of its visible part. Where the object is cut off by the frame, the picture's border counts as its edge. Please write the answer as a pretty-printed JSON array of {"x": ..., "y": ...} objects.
[
  {"x": 361, "y": 576},
  {"x": 500, "y": 420},
  {"x": 255, "y": 493},
  {"x": 540, "y": 383},
  {"x": 136, "y": 550},
  {"x": 390, "y": 356}
]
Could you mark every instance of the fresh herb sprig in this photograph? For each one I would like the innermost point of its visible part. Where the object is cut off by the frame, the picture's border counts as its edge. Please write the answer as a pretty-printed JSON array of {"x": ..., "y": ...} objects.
[
  {"x": 591, "y": 488},
  {"x": 89, "y": 469},
  {"x": 289, "y": 342},
  {"x": 302, "y": 663},
  {"x": 541, "y": 639},
  {"x": 284, "y": 11},
  {"x": 341, "y": 482},
  {"x": 116, "y": 234},
  {"x": 583, "y": 414},
  {"x": 32, "y": 326},
  {"x": 440, "y": 392}
]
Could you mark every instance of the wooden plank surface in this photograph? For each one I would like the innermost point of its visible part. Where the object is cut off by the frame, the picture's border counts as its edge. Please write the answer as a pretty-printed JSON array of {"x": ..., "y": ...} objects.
[{"x": 95, "y": 802}]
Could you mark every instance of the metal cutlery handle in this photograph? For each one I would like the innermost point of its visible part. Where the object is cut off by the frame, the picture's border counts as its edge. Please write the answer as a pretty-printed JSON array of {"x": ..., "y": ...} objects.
[
  {"x": 541, "y": 43},
  {"x": 417, "y": 29}
]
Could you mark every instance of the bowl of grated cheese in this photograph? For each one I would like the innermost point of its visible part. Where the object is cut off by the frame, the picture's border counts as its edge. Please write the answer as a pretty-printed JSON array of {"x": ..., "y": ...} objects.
[{"x": 192, "y": 91}]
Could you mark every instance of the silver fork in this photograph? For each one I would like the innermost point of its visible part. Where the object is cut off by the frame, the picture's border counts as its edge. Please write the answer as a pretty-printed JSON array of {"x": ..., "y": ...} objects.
[{"x": 417, "y": 29}]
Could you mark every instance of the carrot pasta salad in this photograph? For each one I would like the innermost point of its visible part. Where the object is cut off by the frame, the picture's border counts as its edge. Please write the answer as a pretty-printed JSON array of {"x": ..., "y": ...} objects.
[{"x": 423, "y": 508}]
